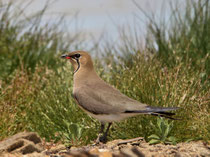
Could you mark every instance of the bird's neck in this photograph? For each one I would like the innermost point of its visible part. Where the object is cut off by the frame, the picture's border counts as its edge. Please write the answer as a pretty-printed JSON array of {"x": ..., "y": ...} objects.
[{"x": 85, "y": 76}]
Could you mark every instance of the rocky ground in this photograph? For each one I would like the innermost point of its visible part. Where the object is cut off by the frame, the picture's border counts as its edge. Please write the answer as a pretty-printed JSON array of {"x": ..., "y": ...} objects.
[{"x": 29, "y": 144}]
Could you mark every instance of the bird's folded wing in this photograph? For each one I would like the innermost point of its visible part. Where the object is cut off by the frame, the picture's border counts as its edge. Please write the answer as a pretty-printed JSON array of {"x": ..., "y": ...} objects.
[{"x": 105, "y": 100}]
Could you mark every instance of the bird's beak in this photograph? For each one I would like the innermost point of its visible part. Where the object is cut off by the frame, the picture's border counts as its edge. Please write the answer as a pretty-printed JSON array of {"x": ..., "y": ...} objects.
[{"x": 65, "y": 56}]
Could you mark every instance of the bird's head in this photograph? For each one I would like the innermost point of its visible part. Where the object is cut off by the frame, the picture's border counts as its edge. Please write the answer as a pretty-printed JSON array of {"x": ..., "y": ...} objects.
[{"x": 79, "y": 60}]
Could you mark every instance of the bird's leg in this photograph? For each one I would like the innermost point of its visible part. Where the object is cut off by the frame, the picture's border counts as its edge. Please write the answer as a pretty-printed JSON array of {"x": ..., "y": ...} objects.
[
  {"x": 104, "y": 137},
  {"x": 107, "y": 129},
  {"x": 100, "y": 132}
]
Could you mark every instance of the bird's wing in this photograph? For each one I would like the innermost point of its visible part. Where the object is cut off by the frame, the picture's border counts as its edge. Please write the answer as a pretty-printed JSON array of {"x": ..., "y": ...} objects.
[{"x": 102, "y": 98}]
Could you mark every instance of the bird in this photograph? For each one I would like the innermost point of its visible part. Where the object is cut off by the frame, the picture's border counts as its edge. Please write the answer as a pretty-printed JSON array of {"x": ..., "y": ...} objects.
[{"x": 101, "y": 100}]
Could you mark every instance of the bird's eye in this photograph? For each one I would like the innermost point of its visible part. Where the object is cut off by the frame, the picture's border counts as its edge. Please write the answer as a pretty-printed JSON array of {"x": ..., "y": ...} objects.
[{"x": 77, "y": 55}]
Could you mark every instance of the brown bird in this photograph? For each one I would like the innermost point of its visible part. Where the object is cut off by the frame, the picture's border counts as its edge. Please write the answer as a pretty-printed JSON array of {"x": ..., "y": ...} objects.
[{"x": 102, "y": 101}]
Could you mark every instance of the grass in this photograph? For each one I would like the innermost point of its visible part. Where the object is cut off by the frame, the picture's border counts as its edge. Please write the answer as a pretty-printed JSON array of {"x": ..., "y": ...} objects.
[
  {"x": 185, "y": 39},
  {"x": 157, "y": 86},
  {"x": 173, "y": 70},
  {"x": 26, "y": 41}
]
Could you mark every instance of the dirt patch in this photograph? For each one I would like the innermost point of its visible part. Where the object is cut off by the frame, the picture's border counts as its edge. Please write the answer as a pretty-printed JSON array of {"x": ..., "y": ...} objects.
[{"x": 29, "y": 145}]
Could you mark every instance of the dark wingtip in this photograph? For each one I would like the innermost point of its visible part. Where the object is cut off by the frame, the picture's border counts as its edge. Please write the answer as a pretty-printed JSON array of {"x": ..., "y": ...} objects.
[
  {"x": 157, "y": 111},
  {"x": 161, "y": 109}
]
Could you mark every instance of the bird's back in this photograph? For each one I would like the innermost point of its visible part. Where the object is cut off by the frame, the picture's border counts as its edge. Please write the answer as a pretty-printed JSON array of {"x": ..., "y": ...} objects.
[{"x": 104, "y": 98}]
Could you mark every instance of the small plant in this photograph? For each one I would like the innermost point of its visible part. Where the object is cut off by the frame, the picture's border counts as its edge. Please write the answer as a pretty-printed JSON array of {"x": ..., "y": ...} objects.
[
  {"x": 163, "y": 130},
  {"x": 72, "y": 136}
]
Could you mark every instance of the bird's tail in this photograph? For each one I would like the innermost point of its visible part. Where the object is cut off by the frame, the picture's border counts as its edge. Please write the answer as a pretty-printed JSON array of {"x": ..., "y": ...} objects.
[
  {"x": 162, "y": 111},
  {"x": 158, "y": 111}
]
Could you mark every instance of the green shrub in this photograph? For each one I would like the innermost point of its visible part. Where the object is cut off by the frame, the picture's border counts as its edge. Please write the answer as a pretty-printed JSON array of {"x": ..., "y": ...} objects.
[{"x": 162, "y": 134}]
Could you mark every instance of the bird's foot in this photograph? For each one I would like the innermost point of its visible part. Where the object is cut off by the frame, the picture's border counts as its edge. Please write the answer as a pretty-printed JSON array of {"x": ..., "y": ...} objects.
[{"x": 101, "y": 139}]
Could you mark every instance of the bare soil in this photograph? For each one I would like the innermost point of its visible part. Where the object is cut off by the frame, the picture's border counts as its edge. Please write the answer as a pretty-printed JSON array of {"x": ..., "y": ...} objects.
[{"x": 31, "y": 145}]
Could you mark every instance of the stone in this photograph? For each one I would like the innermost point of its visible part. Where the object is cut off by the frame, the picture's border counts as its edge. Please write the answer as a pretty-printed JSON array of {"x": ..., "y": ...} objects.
[
  {"x": 24, "y": 143},
  {"x": 94, "y": 151},
  {"x": 131, "y": 151},
  {"x": 35, "y": 154},
  {"x": 105, "y": 154}
]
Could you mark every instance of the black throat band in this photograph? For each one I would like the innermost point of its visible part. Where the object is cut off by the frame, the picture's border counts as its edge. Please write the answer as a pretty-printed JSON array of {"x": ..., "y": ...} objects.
[{"x": 77, "y": 66}]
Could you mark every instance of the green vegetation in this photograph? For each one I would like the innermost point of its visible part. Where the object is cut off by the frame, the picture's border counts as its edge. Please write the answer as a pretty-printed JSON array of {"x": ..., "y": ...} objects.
[
  {"x": 72, "y": 135},
  {"x": 163, "y": 130},
  {"x": 173, "y": 70}
]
